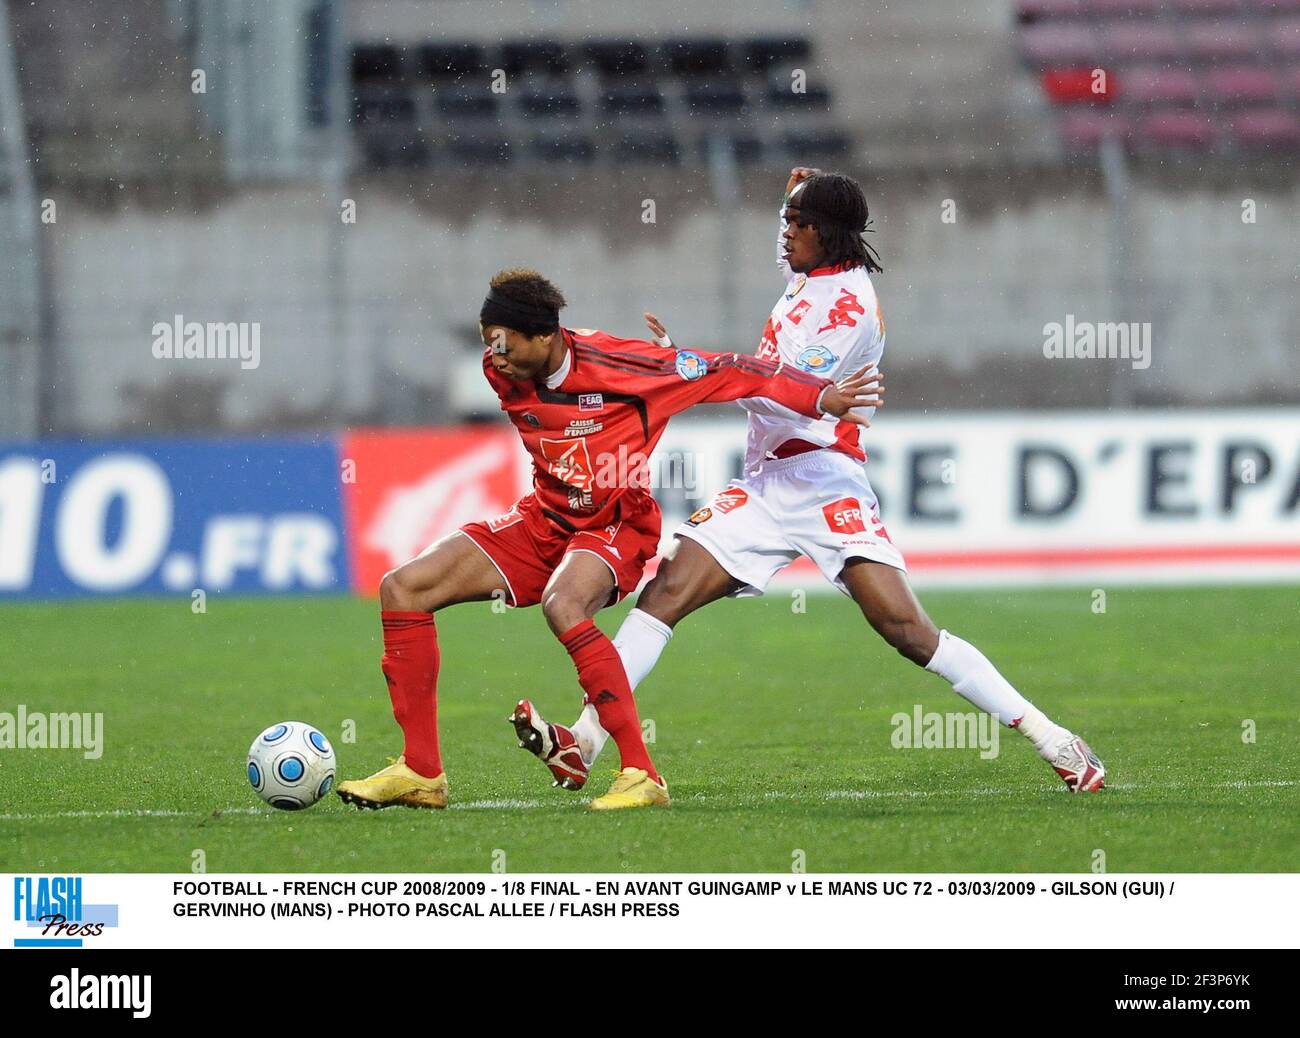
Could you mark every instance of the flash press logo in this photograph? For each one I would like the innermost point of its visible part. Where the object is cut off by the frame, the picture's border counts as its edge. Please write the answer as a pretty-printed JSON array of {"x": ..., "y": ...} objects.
[{"x": 55, "y": 906}]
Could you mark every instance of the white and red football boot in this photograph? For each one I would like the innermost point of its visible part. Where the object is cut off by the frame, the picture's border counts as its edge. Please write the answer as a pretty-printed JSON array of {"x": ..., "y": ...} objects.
[
  {"x": 1075, "y": 762},
  {"x": 553, "y": 744}
]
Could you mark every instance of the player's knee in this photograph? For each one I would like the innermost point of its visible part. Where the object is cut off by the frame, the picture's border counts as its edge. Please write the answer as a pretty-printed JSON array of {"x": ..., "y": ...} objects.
[
  {"x": 398, "y": 591},
  {"x": 563, "y": 610}
]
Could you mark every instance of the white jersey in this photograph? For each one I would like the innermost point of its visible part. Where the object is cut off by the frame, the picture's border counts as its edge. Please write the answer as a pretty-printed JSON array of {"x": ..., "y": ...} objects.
[{"x": 827, "y": 322}]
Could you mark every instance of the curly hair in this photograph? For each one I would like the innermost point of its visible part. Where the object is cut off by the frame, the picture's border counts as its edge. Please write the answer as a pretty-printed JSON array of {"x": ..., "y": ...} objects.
[{"x": 526, "y": 286}]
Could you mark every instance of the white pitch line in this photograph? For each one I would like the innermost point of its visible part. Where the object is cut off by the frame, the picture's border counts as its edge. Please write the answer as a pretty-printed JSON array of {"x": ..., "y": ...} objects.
[{"x": 774, "y": 794}]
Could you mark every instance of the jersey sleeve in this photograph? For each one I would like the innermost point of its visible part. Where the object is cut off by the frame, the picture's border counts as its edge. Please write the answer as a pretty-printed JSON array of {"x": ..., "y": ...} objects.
[{"x": 705, "y": 377}]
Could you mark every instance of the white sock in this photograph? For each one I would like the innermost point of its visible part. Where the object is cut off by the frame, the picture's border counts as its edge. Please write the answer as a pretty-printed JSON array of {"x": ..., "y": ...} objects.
[
  {"x": 639, "y": 641},
  {"x": 973, "y": 677}
]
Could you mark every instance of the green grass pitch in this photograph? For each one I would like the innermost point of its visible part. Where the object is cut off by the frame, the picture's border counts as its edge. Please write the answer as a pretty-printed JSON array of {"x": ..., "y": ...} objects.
[{"x": 772, "y": 728}]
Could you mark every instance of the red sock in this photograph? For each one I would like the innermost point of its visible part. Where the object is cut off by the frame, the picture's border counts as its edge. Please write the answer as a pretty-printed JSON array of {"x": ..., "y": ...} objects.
[
  {"x": 410, "y": 665},
  {"x": 604, "y": 682}
]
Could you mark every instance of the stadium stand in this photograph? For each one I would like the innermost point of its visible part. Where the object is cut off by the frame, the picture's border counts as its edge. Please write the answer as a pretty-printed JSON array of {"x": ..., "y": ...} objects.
[
  {"x": 447, "y": 103},
  {"x": 1185, "y": 75}
]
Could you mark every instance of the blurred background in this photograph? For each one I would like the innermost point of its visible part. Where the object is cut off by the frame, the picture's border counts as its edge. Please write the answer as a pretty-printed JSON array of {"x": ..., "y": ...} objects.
[{"x": 339, "y": 178}]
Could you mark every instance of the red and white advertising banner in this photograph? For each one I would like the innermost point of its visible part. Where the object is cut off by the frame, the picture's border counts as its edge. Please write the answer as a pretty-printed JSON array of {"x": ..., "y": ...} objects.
[{"x": 970, "y": 499}]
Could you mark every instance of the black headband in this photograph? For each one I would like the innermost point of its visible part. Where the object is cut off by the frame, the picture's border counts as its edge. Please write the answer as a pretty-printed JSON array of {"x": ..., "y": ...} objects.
[{"x": 522, "y": 317}]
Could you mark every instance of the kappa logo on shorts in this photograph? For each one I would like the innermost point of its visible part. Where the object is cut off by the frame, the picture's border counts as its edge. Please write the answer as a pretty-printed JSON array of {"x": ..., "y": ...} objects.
[
  {"x": 730, "y": 499},
  {"x": 845, "y": 516}
]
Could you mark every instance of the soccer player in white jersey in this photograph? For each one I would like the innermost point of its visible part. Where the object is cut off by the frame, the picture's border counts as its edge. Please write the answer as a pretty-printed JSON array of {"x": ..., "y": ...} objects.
[{"x": 805, "y": 492}]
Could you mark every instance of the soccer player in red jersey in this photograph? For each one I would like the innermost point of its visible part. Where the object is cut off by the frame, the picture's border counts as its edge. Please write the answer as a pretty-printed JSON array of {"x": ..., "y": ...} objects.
[{"x": 589, "y": 408}]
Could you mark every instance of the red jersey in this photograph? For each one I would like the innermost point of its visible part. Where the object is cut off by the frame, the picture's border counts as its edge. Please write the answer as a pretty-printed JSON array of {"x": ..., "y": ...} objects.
[{"x": 590, "y": 426}]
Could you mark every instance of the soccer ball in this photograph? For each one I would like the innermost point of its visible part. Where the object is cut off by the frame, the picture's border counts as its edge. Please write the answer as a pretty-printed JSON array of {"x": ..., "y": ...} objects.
[{"x": 291, "y": 765}]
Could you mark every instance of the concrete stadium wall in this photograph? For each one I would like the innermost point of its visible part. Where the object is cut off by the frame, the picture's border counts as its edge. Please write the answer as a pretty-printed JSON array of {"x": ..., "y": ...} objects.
[{"x": 379, "y": 332}]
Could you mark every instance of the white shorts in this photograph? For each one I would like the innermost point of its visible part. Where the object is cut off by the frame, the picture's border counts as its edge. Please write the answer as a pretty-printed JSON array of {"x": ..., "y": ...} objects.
[{"x": 817, "y": 504}]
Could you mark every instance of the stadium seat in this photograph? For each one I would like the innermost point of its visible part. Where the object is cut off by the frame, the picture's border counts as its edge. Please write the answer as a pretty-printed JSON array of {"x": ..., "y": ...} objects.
[
  {"x": 376, "y": 63},
  {"x": 633, "y": 99},
  {"x": 1150, "y": 85},
  {"x": 1076, "y": 86},
  {"x": 696, "y": 57},
  {"x": 1285, "y": 36},
  {"x": 1122, "y": 8},
  {"x": 817, "y": 144},
  {"x": 618, "y": 57},
  {"x": 557, "y": 102},
  {"x": 1180, "y": 130},
  {"x": 449, "y": 60},
  {"x": 1060, "y": 45},
  {"x": 396, "y": 149},
  {"x": 659, "y": 148},
  {"x": 1030, "y": 11},
  {"x": 1224, "y": 40},
  {"x": 383, "y": 104},
  {"x": 467, "y": 103},
  {"x": 781, "y": 95},
  {"x": 1194, "y": 7},
  {"x": 549, "y": 56},
  {"x": 1142, "y": 41},
  {"x": 1276, "y": 128},
  {"x": 564, "y": 148},
  {"x": 719, "y": 98},
  {"x": 480, "y": 150},
  {"x": 1083, "y": 129},
  {"x": 763, "y": 54},
  {"x": 1242, "y": 85}
]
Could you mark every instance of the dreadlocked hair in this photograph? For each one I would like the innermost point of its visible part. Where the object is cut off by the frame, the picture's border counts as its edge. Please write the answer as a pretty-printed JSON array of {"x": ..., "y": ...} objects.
[{"x": 838, "y": 209}]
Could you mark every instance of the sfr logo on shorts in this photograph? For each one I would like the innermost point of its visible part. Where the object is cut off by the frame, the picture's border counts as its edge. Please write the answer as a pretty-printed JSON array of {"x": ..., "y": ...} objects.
[{"x": 845, "y": 516}]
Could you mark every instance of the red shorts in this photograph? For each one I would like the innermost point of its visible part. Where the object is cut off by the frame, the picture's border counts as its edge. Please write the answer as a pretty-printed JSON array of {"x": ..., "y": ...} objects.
[{"x": 526, "y": 547}]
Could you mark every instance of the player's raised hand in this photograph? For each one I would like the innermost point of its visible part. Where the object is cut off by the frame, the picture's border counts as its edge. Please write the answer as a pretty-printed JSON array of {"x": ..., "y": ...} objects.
[
  {"x": 864, "y": 388},
  {"x": 657, "y": 329},
  {"x": 797, "y": 176}
]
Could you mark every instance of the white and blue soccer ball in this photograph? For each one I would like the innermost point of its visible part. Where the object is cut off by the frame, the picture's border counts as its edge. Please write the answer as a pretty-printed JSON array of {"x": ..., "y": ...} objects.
[{"x": 291, "y": 765}]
